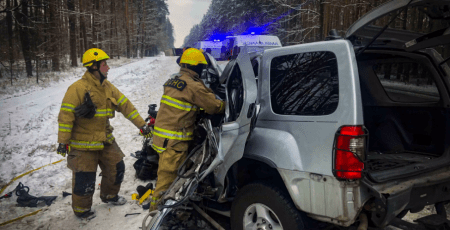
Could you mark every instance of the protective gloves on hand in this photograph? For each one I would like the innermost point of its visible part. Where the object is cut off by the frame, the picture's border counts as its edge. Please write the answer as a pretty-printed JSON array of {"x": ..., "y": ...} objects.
[
  {"x": 63, "y": 149},
  {"x": 146, "y": 131}
]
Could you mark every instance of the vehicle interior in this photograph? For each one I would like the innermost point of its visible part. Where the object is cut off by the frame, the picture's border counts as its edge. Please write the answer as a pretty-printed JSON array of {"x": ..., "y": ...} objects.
[{"x": 404, "y": 112}]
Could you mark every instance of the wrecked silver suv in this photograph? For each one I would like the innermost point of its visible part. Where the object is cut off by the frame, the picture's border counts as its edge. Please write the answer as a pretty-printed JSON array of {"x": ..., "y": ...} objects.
[{"x": 350, "y": 131}]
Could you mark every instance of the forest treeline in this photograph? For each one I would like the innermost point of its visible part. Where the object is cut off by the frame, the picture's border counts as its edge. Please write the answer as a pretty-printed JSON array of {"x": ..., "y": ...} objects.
[
  {"x": 298, "y": 21},
  {"x": 49, "y": 35}
]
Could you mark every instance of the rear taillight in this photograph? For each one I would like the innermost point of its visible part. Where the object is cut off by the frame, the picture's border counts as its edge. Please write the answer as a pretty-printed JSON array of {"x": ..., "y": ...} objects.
[{"x": 349, "y": 152}]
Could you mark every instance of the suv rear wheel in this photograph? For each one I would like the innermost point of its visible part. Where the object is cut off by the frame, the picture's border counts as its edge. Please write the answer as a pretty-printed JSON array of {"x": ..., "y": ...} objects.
[{"x": 265, "y": 207}]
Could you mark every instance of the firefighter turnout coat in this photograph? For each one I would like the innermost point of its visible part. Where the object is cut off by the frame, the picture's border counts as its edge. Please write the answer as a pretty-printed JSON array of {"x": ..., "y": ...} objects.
[
  {"x": 91, "y": 134},
  {"x": 184, "y": 95}
]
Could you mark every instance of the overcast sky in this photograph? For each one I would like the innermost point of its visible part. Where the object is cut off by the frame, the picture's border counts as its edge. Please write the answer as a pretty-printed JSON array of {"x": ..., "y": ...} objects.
[{"x": 184, "y": 14}]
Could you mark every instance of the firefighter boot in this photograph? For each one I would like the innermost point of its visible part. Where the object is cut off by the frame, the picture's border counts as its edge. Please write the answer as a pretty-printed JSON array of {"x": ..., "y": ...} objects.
[{"x": 117, "y": 200}]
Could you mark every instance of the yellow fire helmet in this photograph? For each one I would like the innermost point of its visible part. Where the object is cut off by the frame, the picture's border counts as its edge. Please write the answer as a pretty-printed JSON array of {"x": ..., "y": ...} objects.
[
  {"x": 93, "y": 55},
  {"x": 193, "y": 57}
]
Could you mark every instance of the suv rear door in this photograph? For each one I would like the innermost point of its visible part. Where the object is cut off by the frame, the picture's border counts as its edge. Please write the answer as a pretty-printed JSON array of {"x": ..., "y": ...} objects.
[
  {"x": 368, "y": 26},
  {"x": 306, "y": 93}
]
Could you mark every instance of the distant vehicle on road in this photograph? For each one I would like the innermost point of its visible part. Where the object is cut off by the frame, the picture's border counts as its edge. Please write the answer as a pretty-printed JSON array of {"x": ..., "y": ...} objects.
[
  {"x": 255, "y": 43},
  {"x": 211, "y": 47},
  {"x": 177, "y": 51}
]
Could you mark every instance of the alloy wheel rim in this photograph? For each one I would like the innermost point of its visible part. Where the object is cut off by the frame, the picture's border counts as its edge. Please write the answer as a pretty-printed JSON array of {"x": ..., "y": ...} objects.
[{"x": 260, "y": 217}]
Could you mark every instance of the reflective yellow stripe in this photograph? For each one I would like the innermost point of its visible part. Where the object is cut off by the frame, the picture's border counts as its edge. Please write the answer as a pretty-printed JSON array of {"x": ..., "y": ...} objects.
[
  {"x": 80, "y": 209},
  {"x": 122, "y": 100},
  {"x": 67, "y": 107},
  {"x": 178, "y": 104},
  {"x": 158, "y": 149},
  {"x": 86, "y": 144},
  {"x": 65, "y": 128},
  {"x": 68, "y": 110},
  {"x": 173, "y": 134},
  {"x": 104, "y": 112},
  {"x": 133, "y": 115},
  {"x": 110, "y": 137}
]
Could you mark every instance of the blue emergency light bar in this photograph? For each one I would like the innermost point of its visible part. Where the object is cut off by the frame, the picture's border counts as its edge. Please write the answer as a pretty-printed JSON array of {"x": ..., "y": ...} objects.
[{"x": 254, "y": 31}]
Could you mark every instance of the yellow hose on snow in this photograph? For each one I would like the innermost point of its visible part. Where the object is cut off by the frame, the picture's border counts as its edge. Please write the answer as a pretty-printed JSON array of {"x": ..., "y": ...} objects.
[
  {"x": 18, "y": 218},
  {"x": 20, "y": 176}
]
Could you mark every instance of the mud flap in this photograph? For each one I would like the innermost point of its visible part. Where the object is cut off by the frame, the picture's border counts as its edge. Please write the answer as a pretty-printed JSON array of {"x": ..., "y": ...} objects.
[{"x": 84, "y": 183}]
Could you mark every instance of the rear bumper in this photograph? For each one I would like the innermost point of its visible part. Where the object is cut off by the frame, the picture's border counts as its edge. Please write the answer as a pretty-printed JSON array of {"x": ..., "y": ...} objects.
[{"x": 412, "y": 194}]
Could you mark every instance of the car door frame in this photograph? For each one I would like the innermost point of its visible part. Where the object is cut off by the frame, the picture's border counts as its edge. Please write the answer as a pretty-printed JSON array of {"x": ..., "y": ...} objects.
[{"x": 234, "y": 134}]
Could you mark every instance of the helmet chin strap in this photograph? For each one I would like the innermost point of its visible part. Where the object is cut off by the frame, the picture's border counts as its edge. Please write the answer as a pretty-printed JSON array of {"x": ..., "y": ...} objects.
[{"x": 102, "y": 77}]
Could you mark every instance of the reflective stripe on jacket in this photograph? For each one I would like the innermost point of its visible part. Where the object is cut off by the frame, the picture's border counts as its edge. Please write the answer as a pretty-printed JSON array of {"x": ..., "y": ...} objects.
[
  {"x": 178, "y": 110},
  {"x": 91, "y": 134}
]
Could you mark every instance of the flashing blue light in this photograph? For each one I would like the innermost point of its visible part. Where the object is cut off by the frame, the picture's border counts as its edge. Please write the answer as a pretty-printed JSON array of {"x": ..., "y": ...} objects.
[{"x": 254, "y": 31}]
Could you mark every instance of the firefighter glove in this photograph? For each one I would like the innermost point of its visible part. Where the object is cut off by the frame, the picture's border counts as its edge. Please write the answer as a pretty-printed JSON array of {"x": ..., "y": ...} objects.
[
  {"x": 146, "y": 131},
  {"x": 87, "y": 109},
  {"x": 63, "y": 149}
]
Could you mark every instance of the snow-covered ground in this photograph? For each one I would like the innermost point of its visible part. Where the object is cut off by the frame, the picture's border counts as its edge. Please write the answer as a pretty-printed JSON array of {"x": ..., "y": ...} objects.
[{"x": 28, "y": 132}]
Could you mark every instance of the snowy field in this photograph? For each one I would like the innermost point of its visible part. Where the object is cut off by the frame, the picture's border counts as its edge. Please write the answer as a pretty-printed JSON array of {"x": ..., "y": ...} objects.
[{"x": 28, "y": 132}]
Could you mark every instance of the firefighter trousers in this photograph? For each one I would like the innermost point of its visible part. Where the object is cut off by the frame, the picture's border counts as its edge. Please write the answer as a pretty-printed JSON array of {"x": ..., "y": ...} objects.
[
  {"x": 169, "y": 162},
  {"x": 84, "y": 167}
]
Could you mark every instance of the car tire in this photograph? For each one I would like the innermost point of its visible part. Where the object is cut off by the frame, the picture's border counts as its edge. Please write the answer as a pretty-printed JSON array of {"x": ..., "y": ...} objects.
[{"x": 263, "y": 206}]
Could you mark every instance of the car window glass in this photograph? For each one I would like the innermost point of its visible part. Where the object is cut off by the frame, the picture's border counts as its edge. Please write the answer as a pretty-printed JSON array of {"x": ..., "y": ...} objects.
[
  {"x": 304, "y": 84},
  {"x": 255, "y": 66},
  {"x": 407, "y": 81},
  {"x": 235, "y": 93}
]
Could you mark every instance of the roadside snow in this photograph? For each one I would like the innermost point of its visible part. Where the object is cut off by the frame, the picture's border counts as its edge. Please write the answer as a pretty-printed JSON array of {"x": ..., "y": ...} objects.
[{"x": 28, "y": 133}]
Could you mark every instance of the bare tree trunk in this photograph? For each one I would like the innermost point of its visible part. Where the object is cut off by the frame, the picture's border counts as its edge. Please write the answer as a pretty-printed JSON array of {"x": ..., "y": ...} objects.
[
  {"x": 81, "y": 38},
  {"x": 111, "y": 43},
  {"x": 93, "y": 25},
  {"x": 10, "y": 39},
  {"x": 83, "y": 27},
  {"x": 37, "y": 69},
  {"x": 117, "y": 46},
  {"x": 53, "y": 39},
  {"x": 126, "y": 29},
  {"x": 24, "y": 38},
  {"x": 143, "y": 27},
  {"x": 322, "y": 20},
  {"x": 72, "y": 34},
  {"x": 98, "y": 24},
  {"x": 133, "y": 46}
]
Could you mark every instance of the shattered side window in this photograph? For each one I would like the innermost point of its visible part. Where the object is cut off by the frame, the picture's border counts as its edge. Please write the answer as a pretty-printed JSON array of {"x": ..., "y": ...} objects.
[
  {"x": 304, "y": 84},
  {"x": 407, "y": 81},
  {"x": 235, "y": 93}
]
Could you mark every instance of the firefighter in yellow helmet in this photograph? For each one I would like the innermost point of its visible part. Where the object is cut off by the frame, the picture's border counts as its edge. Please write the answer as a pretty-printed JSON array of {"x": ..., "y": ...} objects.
[
  {"x": 85, "y": 134},
  {"x": 184, "y": 95}
]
